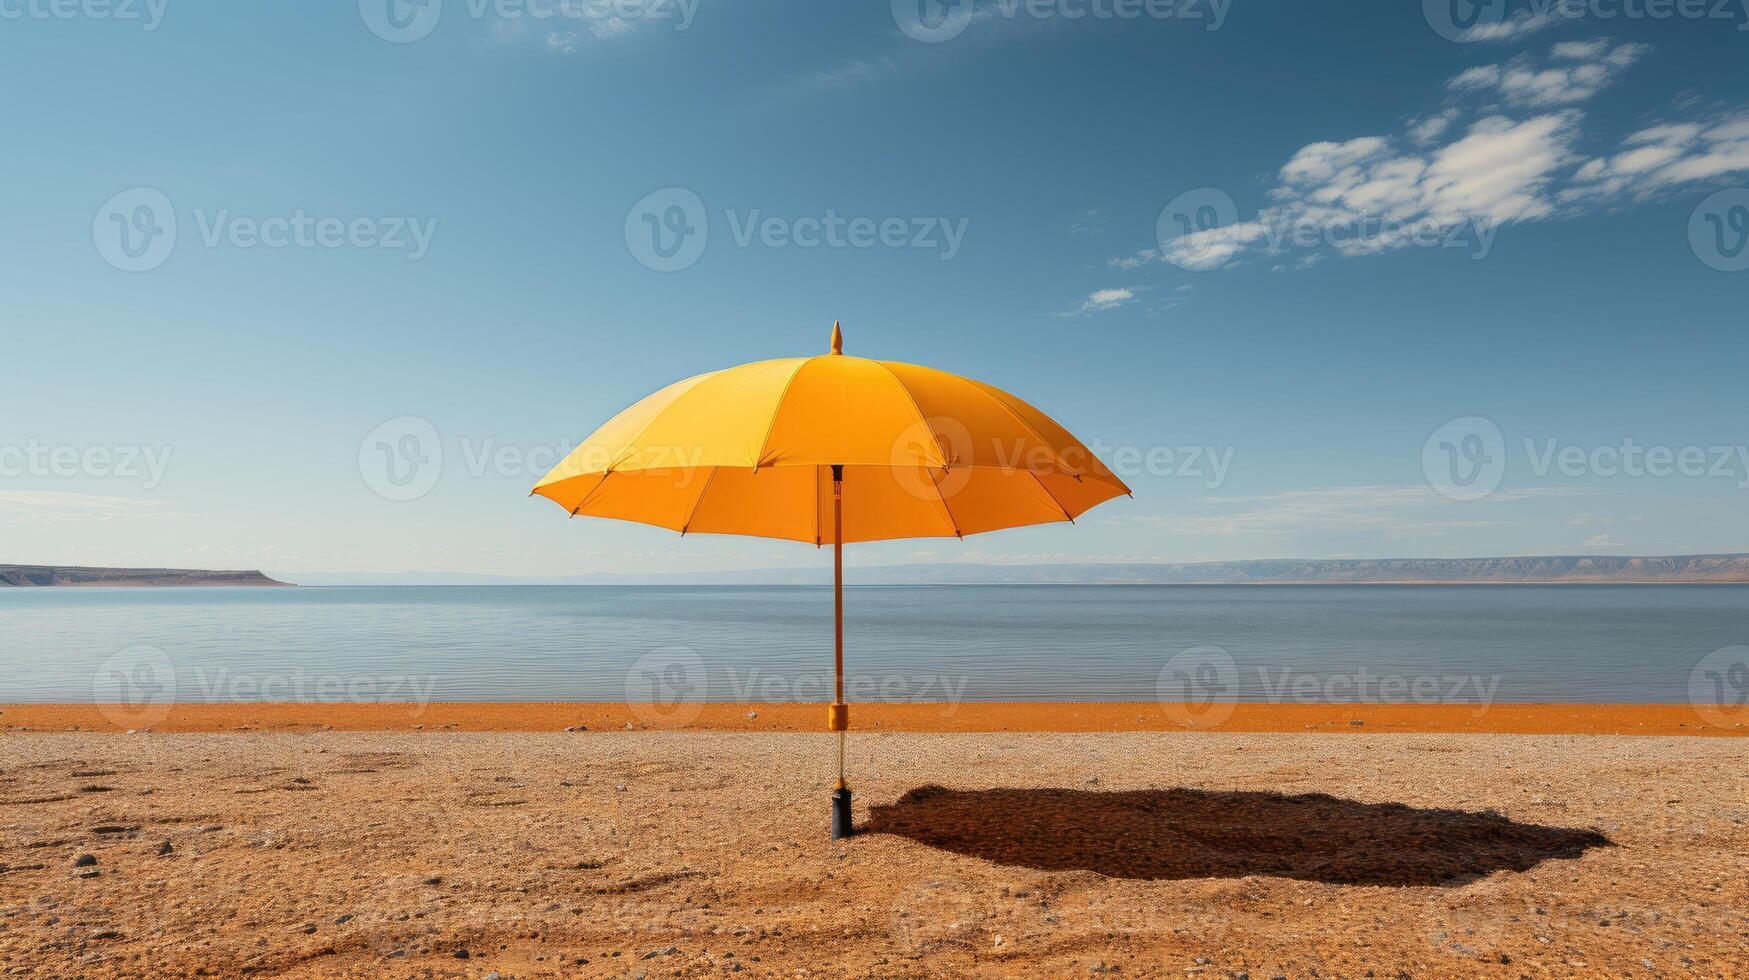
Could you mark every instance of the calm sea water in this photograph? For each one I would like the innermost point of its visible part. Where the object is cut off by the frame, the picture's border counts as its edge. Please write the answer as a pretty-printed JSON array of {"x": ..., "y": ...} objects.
[{"x": 1425, "y": 643}]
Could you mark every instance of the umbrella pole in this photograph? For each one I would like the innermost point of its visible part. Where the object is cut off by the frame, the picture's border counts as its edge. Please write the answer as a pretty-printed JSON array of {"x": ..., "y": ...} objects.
[{"x": 840, "y": 714}]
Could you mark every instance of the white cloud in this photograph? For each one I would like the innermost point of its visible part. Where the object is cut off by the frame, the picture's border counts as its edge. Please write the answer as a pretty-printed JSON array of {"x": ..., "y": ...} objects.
[
  {"x": 60, "y": 506},
  {"x": 1665, "y": 155},
  {"x": 1524, "y": 24},
  {"x": 1425, "y": 130},
  {"x": 1601, "y": 541},
  {"x": 1202, "y": 250},
  {"x": 1523, "y": 82},
  {"x": 1101, "y": 300},
  {"x": 1503, "y": 149},
  {"x": 1394, "y": 511},
  {"x": 1580, "y": 50}
]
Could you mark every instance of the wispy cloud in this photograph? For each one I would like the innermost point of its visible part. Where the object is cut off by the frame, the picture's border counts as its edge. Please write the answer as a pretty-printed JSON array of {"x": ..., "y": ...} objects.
[
  {"x": 1666, "y": 155},
  {"x": 1503, "y": 149},
  {"x": 1521, "y": 25},
  {"x": 1101, "y": 300},
  {"x": 1390, "y": 511},
  {"x": 568, "y": 26},
  {"x": 1574, "y": 72},
  {"x": 60, "y": 506}
]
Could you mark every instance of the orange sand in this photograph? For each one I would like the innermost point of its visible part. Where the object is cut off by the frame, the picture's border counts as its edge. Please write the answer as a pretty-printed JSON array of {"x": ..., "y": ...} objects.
[{"x": 1124, "y": 716}]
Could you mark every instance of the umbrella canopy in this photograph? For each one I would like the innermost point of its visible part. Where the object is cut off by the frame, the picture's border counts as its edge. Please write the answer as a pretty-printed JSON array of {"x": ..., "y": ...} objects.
[
  {"x": 831, "y": 449},
  {"x": 749, "y": 450}
]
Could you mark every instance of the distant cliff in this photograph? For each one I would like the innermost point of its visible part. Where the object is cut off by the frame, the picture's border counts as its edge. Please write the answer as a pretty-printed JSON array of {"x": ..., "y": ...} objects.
[
  {"x": 74, "y": 575},
  {"x": 1540, "y": 570}
]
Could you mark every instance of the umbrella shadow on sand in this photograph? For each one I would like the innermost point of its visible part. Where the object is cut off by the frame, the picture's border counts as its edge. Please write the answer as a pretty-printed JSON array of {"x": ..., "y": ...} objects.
[{"x": 1187, "y": 833}]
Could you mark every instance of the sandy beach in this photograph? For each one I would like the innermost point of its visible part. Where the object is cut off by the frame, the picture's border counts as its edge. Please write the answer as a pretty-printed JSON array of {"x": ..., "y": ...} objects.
[
  {"x": 615, "y": 853},
  {"x": 963, "y": 716}
]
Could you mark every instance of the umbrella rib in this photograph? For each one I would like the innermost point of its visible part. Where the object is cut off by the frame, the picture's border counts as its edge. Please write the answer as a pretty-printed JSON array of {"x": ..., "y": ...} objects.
[
  {"x": 918, "y": 409},
  {"x": 942, "y": 498},
  {"x": 693, "y": 511},
  {"x": 1041, "y": 485},
  {"x": 1028, "y": 426},
  {"x": 592, "y": 492},
  {"x": 765, "y": 444}
]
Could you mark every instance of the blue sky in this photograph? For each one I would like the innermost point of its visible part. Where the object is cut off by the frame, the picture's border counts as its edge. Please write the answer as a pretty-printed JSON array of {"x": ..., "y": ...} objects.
[{"x": 1298, "y": 240}]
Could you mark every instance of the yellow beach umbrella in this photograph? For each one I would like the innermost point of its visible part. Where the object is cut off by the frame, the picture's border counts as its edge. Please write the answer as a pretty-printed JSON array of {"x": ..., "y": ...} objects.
[{"x": 831, "y": 449}]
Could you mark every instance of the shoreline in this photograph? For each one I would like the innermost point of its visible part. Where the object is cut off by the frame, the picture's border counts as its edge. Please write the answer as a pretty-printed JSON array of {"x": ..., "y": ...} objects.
[{"x": 865, "y": 718}]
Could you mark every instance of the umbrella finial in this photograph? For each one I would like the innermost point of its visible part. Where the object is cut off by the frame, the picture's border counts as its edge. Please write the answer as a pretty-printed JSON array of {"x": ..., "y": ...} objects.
[{"x": 837, "y": 339}]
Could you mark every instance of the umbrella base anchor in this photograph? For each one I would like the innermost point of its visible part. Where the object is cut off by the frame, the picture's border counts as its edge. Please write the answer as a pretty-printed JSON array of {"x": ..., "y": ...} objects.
[{"x": 841, "y": 827}]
